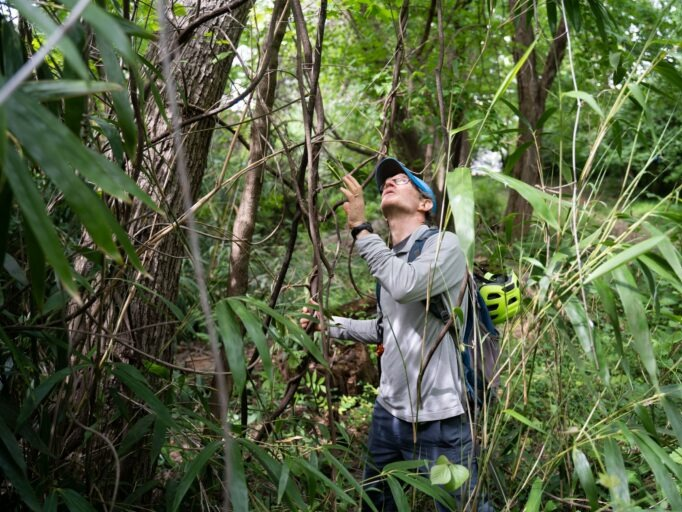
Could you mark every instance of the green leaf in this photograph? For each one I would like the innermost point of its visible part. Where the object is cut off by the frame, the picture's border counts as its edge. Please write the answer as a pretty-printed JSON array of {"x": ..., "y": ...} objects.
[
  {"x": 40, "y": 19},
  {"x": 37, "y": 395},
  {"x": 674, "y": 417},
  {"x": 121, "y": 100},
  {"x": 135, "y": 434},
  {"x": 36, "y": 267},
  {"x": 587, "y": 98},
  {"x": 582, "y": 325},
  {"x": 617, "y": 482},
  {"x": 233, "y": 342},
  {"x": 458, "y": 476},
  {"x": 75, "y": 502},
  {"x": 17, "y": 478},
  {"x": 135, "y": 381},
  {"x": 283, "y": 481},
  {"x": 193, "y": 470},
  {"x": 49, "y": 90},
  {"x": 465, "y": 127},
  {"x": 36, "y": 216},
  {"x": 297, "y": 334},
  {"x": 624, "y": 257},
  {"x": 343, "y": 471},
  {"x": 535, "y": 497},
  {"x": 461, "y": 196},
  {"x": 534, "y": 424},
  {"x": 12, "y": 447},
  {"x": 654, "y": 458},
  {"x": 635, "y": 315},
  {"x": 239, "y": 494},
  {"x": 584, "y": 472},
  {"x": 399, "y": 495},
  {"x": 254, "y": 329},
  {"x": 668, "y": 71},
  {"x": 510, "y": 76},
  {"x": 544, "y": 205},
  {"x": 323, "y": 479},
  {"x": 440, "y": 474}
]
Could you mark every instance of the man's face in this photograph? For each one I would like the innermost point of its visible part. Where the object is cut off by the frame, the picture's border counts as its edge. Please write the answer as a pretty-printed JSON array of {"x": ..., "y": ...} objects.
[{"x": 400, "y": 194}]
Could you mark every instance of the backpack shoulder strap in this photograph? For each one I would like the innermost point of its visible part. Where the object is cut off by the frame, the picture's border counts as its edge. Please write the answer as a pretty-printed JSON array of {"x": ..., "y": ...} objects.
[{"x": 418, "y": 244}]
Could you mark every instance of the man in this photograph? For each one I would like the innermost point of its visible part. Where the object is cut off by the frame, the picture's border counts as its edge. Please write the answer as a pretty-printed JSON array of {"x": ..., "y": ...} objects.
[{"x": 409, "y": 423}]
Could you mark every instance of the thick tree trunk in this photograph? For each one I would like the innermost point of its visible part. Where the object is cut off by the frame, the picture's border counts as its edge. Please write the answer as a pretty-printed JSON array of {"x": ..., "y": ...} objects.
[
  {"x": 532, "y": 89},
  {"x": 124, "y": 312}
]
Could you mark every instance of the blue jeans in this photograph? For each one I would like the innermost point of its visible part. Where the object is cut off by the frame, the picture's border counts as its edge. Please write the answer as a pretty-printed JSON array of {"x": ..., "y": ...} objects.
[{"x": 391, "y": 440}]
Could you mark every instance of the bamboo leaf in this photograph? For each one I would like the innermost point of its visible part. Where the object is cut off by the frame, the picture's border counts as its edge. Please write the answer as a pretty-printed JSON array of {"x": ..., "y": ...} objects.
[
  {"x": 343, "y": 471},
  {"x": 586, "y": 477},
  {"x": 512, "y": 74},
  {"x": 582, "y": 325},
  {"x": 674, "y": 417},
  {"x": 534, "y": 424},
  {"x": 635, "y": 316},
  {"x": 34, "y": 211},
  {"x": 75, "y": 502},
  {"x": 587, "y": 98},
  {"x": 608, "y": 302},
  {"x": 618, "y": 481},
  {"x": 254, "y": 329},
  {"x": 50, "y": 90},
  {"x": 12, "y": 446},
  {"x": 233, "y": 342},
  {"x": 37, "y": 395},
  {"x": 398, "y": 494},
  {"x": 541, "y": 202},
  {"x": 322, "y": 478},
  {"x": 535, "y": 497},
  {"x": 461, "y": 196},
  {"x": 135, "y": 381},
  {"x": 239, "y": 494},
  {"x": 41, "y": 20},
  {"x": 36, "y": 267},
  {"x": 624, "y": 257},
  {"x": 194, "y": 468},
  {"x": 283, "y": 481},
  {"x": 465, "y": 127}
]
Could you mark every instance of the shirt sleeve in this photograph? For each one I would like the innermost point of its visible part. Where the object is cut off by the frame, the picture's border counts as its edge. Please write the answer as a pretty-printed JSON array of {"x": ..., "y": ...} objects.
[
  {"x": 441, "y": 266},
  {"x": 343, "y": 328}
]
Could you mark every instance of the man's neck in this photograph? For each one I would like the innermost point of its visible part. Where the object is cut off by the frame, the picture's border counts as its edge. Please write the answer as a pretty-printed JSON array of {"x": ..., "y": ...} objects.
[{"x": 402, "y": 226}]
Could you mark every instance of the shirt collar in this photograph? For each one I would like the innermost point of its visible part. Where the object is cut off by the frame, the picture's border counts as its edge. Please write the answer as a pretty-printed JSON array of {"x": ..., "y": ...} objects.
[{"x": 404, "y": 246}]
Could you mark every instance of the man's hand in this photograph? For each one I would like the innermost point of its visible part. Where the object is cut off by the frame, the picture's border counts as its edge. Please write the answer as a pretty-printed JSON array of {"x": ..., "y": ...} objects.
[
  {"x": 355, "y": 205},
  {"x": 305, "y": 322}
]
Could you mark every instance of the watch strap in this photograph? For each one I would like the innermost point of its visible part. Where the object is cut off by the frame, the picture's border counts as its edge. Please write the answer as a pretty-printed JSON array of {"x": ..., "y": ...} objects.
[{"x": 365, "y": 226}]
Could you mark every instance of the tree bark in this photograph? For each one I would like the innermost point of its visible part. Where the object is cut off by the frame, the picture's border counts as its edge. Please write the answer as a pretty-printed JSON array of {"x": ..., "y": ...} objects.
[{"x": 532, "y": 89}]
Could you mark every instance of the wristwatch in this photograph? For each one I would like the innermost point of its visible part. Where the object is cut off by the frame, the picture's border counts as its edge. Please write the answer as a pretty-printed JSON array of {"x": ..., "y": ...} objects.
[{"x": 365, "y": 226}]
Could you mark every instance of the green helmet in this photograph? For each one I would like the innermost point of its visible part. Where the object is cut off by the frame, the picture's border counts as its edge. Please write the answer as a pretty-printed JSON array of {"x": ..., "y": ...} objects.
[{"x": 502, "y": 295}]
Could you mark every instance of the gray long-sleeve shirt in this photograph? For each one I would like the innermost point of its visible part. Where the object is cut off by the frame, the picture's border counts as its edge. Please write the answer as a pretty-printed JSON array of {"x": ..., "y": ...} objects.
[{"x": 409, "y": 330}]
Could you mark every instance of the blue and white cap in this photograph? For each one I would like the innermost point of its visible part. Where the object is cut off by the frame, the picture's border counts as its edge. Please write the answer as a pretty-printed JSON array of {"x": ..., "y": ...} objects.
[{"x": 389, "y": 167}]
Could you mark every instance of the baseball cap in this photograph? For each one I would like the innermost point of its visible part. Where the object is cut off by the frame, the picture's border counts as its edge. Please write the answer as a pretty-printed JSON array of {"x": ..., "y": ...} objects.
[{"x": 389, "y": 167}]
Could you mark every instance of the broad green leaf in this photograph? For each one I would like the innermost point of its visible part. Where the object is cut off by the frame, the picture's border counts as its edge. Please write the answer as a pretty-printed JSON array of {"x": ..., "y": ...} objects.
[
  {"x": 399, "y": 495},
  {"x": 12, "y": 446},
  {"x": 233, "y": 341},
  {"x": 135, "y": 381},
  {"x": 669, "y": 252},
  {"x": 193, "y": 470},
  {"x": 34, "y": 211},
  {"x": 121, "y": 100},
  {"x": 461, "y": 196},
  {"x": 440, "y": 474},
  {"x": 586, "y": 477},
  {"x": 660, "y": 266},
  {"x": 635, "y": 315},
  {"x": 37, "y": 395},
  {"x": 582, "y": 325},
  {"x": 543, "y": 204},
  {"x": 512, "y": 74},
  {"x": 458, "y": 476},
  {"x": 294, "y": 330},
  {"x": 75, "y": 502},
  {"x": 40, "y": 19},
  {"x": 405, "y": 465},
  {"x": 107, "y": 28},
  {"x": 254, "y": 328},
  {"x": 283, "y": 481},
  {"x": 535, "y": 497},
  {"x": 674, "y": 417},
  {"x": 668, "y": 71},
  {"x": 322, "y": 478},
  {"x": 274, "y": 470},
  {"x": 239, "y": 494},
  {"x": 36, "y": 266},
  {"x": 465, "y": 127},
  {"x": 534, "y": 424},
  {"x": 618, "y": 479},
  {"x": 49, "y": 90},
  {"x": 587, "y": 98},
  {"x": 654, "y": 459},
  {"x": 624, "y": 257}
]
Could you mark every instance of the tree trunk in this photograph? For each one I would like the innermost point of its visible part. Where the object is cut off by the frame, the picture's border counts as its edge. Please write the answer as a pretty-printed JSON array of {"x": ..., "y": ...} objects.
[
  {"x": 532, "y": 89},
  {"x": 133, "y": 315}
]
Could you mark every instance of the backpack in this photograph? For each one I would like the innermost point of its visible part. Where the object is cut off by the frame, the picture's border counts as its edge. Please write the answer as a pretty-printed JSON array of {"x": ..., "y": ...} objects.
[{"x": 479, "y": 348}]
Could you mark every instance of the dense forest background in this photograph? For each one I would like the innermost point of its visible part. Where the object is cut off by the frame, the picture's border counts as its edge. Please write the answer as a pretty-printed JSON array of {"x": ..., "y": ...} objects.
[{"x": 169, "y": 202}]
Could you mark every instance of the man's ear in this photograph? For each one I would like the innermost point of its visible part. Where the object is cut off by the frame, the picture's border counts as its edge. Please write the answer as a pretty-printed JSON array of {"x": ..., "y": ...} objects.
[{"x": 425, "y": 205}]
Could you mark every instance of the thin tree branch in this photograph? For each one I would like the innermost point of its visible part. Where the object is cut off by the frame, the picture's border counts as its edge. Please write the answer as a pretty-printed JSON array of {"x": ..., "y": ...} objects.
[{"x": 188, "y": 30}]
